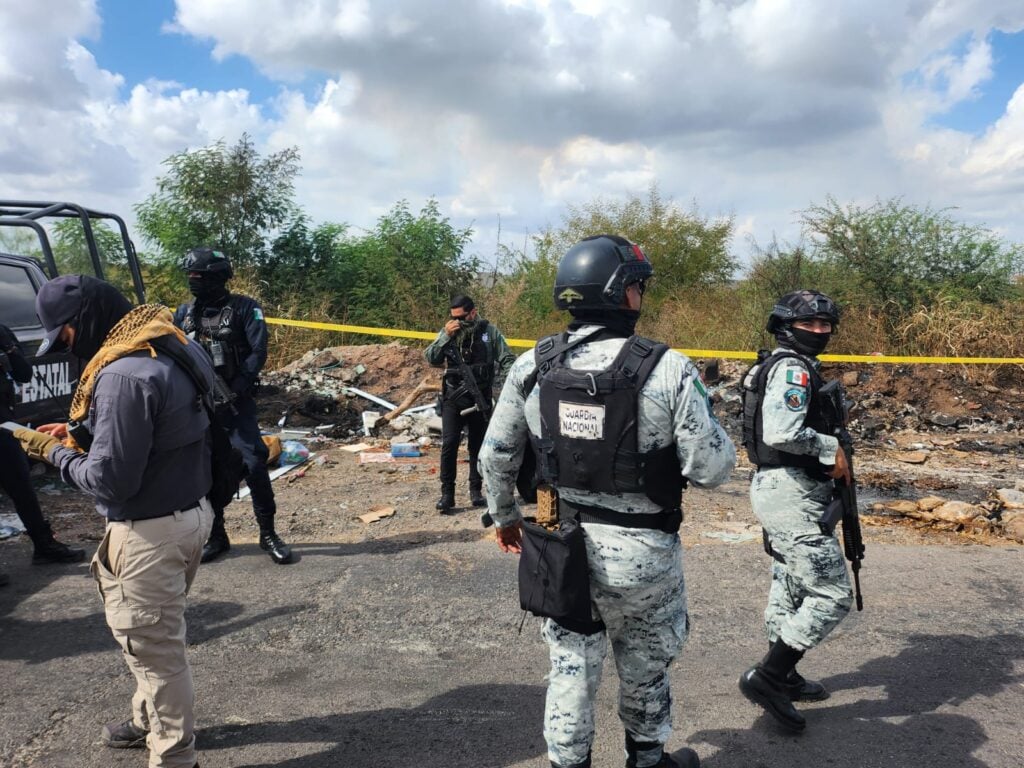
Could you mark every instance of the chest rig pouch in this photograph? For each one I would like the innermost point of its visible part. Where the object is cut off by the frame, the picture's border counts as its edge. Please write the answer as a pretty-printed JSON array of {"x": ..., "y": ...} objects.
[
  {"x": 218, "y": 337},
  {"x": 589, "y": 421},
  {"x": 754, "y": 382},
  {"x": 476, "y": 353}
]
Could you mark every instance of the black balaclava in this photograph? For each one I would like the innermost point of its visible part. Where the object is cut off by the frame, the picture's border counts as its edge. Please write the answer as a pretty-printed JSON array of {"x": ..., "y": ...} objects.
[
  {"x": 208, "y": 288},
  {"x": 621, "y": 322},
  {"x": 803, "y": 341},
  {"x": 103, "y": 306}
]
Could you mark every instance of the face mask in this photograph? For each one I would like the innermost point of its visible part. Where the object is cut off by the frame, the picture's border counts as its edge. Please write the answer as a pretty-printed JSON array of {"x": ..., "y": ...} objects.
[
  {"x": 205, "y": 289},
  {"x": 808, "y": 342}
]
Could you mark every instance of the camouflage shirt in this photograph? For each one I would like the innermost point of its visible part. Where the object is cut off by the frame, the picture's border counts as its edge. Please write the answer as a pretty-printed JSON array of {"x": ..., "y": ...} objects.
[{"x": 672, "y": 408}]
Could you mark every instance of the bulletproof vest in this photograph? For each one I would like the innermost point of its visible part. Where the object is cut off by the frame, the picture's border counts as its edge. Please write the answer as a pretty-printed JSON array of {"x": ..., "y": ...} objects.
[
  {"x": 218, "y": 336},
  {"x": 589, "y": 425},
  {"x": 754, "y": 382},
  {"x": 477, "y": 354}
]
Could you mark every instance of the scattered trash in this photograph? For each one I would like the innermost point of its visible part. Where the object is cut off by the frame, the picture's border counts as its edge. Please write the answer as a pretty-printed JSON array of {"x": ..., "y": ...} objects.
[
  {"x": 293, "y": 452},
  {"x": 274, "y": 474},
  {"x": 371, "y": 397},
  {"x": 375, "y": 514},
  {"x": 369, "y": 420},
  {"x": 405, "y": 450},
  {"x": 10, "y": 525}
]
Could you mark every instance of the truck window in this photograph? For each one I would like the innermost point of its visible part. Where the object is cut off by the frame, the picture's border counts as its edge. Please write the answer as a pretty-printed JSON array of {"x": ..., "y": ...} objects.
[{"x": 17, "y": 298}]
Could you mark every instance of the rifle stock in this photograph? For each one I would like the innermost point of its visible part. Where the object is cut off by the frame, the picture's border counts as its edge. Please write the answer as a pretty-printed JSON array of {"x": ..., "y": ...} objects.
[{"x": 853, "y": 544}]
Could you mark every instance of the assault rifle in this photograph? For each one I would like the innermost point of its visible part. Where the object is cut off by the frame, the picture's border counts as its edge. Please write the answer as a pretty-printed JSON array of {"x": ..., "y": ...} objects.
[
  {"x": 223, "y": 397},
  {"x": 469, "y": 386},
  {"x": 834, "y": 400}
]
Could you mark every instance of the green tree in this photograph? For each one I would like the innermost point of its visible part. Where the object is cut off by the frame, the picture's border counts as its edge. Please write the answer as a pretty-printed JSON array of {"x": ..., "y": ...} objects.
[
  {"x": 225, "y": 197},
  {"x": 687, "y": 249},
  {"x": 898, "y": 257},
  {"x": 71, "y": 252}
]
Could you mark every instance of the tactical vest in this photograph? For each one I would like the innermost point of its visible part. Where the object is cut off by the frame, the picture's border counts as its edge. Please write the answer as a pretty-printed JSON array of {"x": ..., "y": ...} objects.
[
  {"x": 218, "y": 337},
  {"x": 754, "y": 382},
  {"x": 477, "y": 353},
  {"x": 8, "y": 395},
  {"x": 590, "y": 423}
]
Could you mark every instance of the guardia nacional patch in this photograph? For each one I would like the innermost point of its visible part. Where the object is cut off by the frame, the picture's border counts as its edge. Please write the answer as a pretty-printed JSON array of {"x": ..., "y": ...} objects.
[
  {"x": 800, "y": 378},
  {"x": 796, "y": 398},
  {"x": 257, "y": 313}
]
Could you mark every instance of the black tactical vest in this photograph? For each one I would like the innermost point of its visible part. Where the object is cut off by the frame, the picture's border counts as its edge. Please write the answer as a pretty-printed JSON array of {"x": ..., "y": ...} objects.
[
  {"x": 589, "y": 423},
  {"x": 477, "y": 354},
  {"x": 218, "y": 337},
  {"x": 754, "y": 382}
]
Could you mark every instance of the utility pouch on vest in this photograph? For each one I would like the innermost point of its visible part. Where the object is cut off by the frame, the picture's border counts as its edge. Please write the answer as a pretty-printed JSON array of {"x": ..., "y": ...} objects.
[
  {"x": 554, "y": 580},
  {"x": 831, "y": 516}
]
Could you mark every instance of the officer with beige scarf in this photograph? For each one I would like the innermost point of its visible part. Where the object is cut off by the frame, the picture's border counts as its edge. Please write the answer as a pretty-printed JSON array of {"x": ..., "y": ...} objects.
[{"x": 138, "y": 441}]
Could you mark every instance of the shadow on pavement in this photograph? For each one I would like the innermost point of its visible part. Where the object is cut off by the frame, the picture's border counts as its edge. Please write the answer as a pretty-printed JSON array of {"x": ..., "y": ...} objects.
[
  {"x": 467, "y": 727},
  {"x": 392, "y": 544},
  {"x": 902, "y": 727}
]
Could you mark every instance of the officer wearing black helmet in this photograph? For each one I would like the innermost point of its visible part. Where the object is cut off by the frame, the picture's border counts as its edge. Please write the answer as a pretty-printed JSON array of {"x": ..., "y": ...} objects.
[
  {"x": 232, "y": 329},
  {"x": 619, "y": 424},
  {"x": 797, "y": 458}
]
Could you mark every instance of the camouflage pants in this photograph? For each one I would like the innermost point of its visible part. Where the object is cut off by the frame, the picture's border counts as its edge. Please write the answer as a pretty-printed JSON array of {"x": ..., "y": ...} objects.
[
  {"x": 647, "y": 625},
  {"x": 810, "y": 592}
]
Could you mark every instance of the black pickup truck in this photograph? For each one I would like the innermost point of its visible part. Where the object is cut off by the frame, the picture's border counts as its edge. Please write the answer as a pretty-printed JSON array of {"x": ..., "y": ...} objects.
[{"x": 78, "y": 246}]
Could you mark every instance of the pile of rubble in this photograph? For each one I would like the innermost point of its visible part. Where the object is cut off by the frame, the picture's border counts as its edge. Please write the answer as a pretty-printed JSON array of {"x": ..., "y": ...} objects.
[
  {"x": 1000, "y": 515},
  {"x": 349, "y": 389}
]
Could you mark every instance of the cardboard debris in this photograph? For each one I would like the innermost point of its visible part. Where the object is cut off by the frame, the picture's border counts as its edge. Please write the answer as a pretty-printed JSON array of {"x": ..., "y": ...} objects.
[
  {"x": 375, "y": 457},
  {"x": 357, "y": 448},
  {"x": 913, "y": 457},
  {"x": 375, "y": 514}
]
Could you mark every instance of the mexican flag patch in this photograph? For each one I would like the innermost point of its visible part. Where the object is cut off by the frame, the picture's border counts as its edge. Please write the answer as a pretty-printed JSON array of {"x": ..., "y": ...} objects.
[{"x": 800, "y": 378}]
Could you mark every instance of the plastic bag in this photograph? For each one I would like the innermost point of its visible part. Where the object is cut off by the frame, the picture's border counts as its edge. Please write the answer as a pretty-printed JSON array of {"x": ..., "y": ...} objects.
[{"x": 293, "y": 452}]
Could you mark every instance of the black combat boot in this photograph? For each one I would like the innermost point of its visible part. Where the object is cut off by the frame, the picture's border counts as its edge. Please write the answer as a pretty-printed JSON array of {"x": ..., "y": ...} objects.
[
  {"x": 802, "y": 689},
  {"x": 476, "y": 496},
  {"x": 447, "y": 501},
  {"x": 585, "y": 764},
  {"x": 765, "y": 685},
  {"x": 49, "y": 550},
  {"x": 681, "y": 758},
  {"x": 217, "y": 544},
  {"x": 272, "y": 544}
]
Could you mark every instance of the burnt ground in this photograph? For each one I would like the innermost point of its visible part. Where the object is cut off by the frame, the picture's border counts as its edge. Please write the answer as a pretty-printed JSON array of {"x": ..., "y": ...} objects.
[{"x": 395, "y": 643}]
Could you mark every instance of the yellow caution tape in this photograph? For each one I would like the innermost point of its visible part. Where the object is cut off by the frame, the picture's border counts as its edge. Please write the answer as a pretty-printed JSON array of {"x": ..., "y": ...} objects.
[{"x": 722, "y": 353}]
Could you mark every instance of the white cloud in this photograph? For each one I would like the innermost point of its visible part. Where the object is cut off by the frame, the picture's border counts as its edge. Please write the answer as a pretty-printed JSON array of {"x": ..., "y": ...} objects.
[{"x": 514, "y": 108}]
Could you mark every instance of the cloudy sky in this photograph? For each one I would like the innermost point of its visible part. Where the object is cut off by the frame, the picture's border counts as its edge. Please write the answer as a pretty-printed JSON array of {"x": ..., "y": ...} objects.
[{"x": 507, "y": 110}]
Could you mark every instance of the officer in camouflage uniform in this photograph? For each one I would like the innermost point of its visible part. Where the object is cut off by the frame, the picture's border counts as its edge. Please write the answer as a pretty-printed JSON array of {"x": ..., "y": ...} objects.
[
  {"x": 232, "y": 330},
  {"x": 633, "y": 549},
  {"x": 797, "y": 457},
  {"x": 486, "y": 352}
]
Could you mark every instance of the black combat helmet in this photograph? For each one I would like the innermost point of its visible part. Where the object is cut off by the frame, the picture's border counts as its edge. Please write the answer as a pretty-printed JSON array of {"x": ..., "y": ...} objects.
[
  {"x": 802, "y": 305},
  {"x": 208, "y": 261},
  {"x": 594, "y": 273}
]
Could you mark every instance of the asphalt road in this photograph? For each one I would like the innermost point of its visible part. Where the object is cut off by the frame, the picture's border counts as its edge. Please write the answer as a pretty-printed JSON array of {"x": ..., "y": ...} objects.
[{"x": 404, "y": 651}]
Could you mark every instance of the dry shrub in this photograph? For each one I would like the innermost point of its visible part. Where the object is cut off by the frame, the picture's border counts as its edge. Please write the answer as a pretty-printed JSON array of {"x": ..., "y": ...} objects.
[{"x": 708, "y": 318}]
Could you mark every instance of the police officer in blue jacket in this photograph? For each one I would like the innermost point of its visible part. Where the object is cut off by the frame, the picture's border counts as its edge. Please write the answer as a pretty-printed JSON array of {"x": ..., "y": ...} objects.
[{"x": 232, "y": 330}]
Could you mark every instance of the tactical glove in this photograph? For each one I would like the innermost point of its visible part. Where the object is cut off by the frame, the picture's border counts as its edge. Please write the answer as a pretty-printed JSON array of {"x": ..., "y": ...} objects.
[{"x": 36, "y": 444}]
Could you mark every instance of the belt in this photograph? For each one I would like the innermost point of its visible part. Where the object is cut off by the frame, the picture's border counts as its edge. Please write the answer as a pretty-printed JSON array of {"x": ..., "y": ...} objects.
[{"x": 667, "y": 521}]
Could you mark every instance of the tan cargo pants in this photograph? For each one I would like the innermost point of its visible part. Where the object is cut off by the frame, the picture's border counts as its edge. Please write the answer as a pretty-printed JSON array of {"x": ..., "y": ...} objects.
[{"x": 144, "y": 569}]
